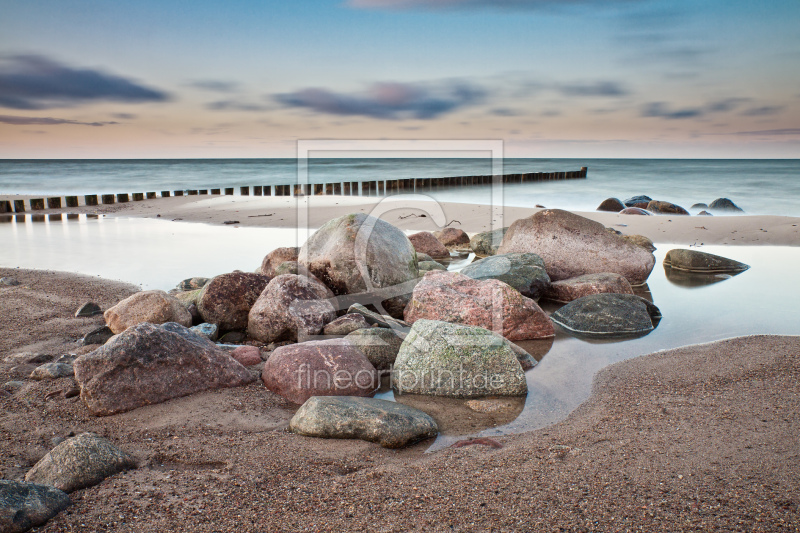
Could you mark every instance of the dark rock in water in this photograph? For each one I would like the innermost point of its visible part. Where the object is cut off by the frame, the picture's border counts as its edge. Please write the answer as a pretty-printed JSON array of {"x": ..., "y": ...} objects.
[
  {"x": 379, "y": 345},
  {"x": 608, "y": 315},
  {"x": 702, "y": 262},
  {"x": 699, "y": 206},
  {"x": 97, "y": 336},
  {"x": 639, "y": 201},
  {"x": 192, "y": 284},
  {"x": 9, "y": 282},
  {"x": 491, "y": 303},
  {"x": 154, "y": 307},
  {"x": 276, "y": 258},
  {"x": 683, "y": 278},
  {"x": 209, "y": 331},
  {"x": 427, "y": 266},
  {"x": 147, "y": 365},
  {"x": 291, "y": 307},
  {"x": 376, "y": 319},
  {"x": 452, "y": 237},
  {"x": 346, "y": 324},
  {"x": 666, "y": 208},
  {"x": 523, "y": 271},
  {"x": 52, "y": 371},
  {"x": 704, "y": 213},
  {"x": 724, "y": 204},
  {"x": 319, "y": 368},
  {"x": 233, "y": 337},
  {"x": 80, "y": 462},
  {"x": 611, "y": 204},
  {"x": 444, "y": 359},
  {"x": 571, "y": 289},
  {"x": 425, "y": 243},
  {"x": 27, "y": 505},
  {"x": 486, "y": 243},
  {"x": 390, "y": 424},
  {"x": 641, "y": 241},
  {"x": 635, "y": 211},
  {"x": 89, "y": 309},
  {"x": 571, "y": 245},
  {"x": 226, "y": 299}
]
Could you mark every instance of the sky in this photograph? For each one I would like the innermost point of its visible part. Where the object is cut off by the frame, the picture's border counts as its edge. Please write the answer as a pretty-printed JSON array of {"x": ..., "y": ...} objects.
[{"x": 249, "y": 78}]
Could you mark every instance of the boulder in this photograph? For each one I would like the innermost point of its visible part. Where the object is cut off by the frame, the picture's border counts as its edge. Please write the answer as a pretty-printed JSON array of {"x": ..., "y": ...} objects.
[
  {"x": 319, "y": 368},
  {"x": 277, "y": 257},
  {"x": 642, "y": 241},
  {"x": 346, "y": 324},
  {"x": 611, "y": 204},
  {"x": 97, "y": 336},
  {"x": 27, "y": 505},
  {"x": 88, "y": 309},
  {"x": 635, "y": 211},
  {"x": 287, "y": 267},
  {"x": 290, "y": 307},
  {"x": 608, "y": 315},
  {"x": 390, "y": 424},
  {"x": 155, "y": 307},
  {"x": 699, "y": 206},
  {"x": 209, "y": 331},
  {"x": 443, "y": 359},
  {"x": 80, "y": 462},
  {"x": 379, "y": 345},
  {"x": 571, "y": 245},
  {"x": 704, "y": 213},
  {"x": 359, "y": 253},
  {"x": 52, "y": 371},
  {"x": 724, "y": 204},
  {"x": 525, "y": 272},
  {"x": 147, "y": 364},
  {"x": 192, "y": 284},
  {"x": 427, "y": 266},
  {"x": 226, "y": 299},
  {"x": 639, "y": 201},
  {"x": 188, "y": 298},
  {"x": 424, "y": 242},
  {"x": 190, "y": 334},
  {"x": 666, "y": 208},
  {"x": 486, "y": 243},
  {"x": 702, "y": 262},
  {"x": 246, "y": 355},
  {"x": 490, "y": 304},
  {"x": 567, "y": 290},
  {"x": 452, "y": 237}
]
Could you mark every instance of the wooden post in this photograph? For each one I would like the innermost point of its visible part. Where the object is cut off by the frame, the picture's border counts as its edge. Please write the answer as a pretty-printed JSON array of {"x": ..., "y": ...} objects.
[
  {"x": 36, "y": 204},
  {"x": 165, "y": 194},
  {"x": 215, "y": 191},
  {"x": 122, "y": 197},
  {"x": 267, "y": 190},
  {"x": 228, "y": 191},
  {"x": 192, "y": 192},
  {"x": 107, "y": 198},
  {"x": 258, "y": 190},
  {"x": 19, "y": 206},
  {"x": 337, "y": 189},
  {"x": 5, "y": 206},
  {"x": 244, "y": 191},
  {"x": 54, "y": 203},
  {"x": 178, "y": 193},
  {"x": 584, "y": 170},
  {"x": 328, "y": 189},
  {"x": 138, "y": 196},
  {"x": 203, "y": 191},
  {"x": 90, "y": 199},
  {"x": 151, "y": 195}
]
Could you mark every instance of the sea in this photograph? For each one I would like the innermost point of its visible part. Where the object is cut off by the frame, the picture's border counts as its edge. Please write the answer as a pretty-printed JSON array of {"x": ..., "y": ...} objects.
[{"x": 760, "y": 186}]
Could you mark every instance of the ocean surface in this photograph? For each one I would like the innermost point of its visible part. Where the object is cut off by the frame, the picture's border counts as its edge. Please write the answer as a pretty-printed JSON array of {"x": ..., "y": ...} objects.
[{"x": 763, "y": 186}]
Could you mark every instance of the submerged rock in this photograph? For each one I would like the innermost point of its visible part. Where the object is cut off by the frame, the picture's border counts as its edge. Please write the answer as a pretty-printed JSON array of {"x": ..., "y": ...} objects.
[
  {"x": 666, "y": 208},
  {"x": 380, "y": 345},
  {"x": 571, "y": 289},
  {"x": 702, "y": 262},
  {"x": 27, "y": 505},
  {"x": 724, "y": 204},
  {"x": 390, "y": 424},
  {"x": 611, "y": 204},
  {"x": 486, "y": 243},
  {"x": 699, "y": 206},
  {"x": 639, "y": 201},
  {"x": 276, "y": 258},
  {"x": 226, "y": 299},
  {"x": 425, "y": 243},
  {"x": 608, "y": 315},
  {"x": 525, "y": 272},
  {"x": 154, "y": 307}
]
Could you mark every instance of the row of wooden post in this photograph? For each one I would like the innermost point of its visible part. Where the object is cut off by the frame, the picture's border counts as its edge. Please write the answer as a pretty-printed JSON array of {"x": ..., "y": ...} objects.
[{"x": 347, "y": 188}]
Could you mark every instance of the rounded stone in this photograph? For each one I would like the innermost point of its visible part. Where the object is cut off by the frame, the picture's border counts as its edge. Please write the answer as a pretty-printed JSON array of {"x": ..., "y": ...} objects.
[
  {"x": 425, "y": 243},
  {"x": 611, "y": 204},
  {"x": 523, "y": 271},
  {"x": 226, "y": 299},
  {"x": 155, "y": 307},
  {"x": 607, "y": 315},
  {"x": 702, "y": 262},
  {"x": 277, "y": 257},
  {"x": 666, "y": 208},
  {"x": 486, "y": 243},
  {"x": 379, "y": 345}
]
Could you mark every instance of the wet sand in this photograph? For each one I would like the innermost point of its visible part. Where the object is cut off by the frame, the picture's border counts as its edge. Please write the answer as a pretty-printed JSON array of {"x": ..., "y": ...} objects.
[{"x": 695, "y": 439}]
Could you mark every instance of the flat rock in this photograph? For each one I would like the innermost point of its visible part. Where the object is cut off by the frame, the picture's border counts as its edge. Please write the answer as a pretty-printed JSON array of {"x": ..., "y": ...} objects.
[
  {"x": 523, "y": 271},
  {"x": 27, "y": 505},
  {"x": 702, "y": 262},
  {"x": 390, "y": 424},
  {"x": 611, "y": 204},
  {"x": 155, "y": 307},
  {"x": 80, "y": 462},
  {"x": 640, "y": 201},
  {"x": 346, "y": 324},
  {"x": 444, "y": 359},
  {"x": 380, "y": 345},
  {"x": 52, "y": 371},
  {"x": 571, "y": 245},
  {"x": 291, "y": 307},
  {"x": 607, "y": 315},
  {"x": 666, "y": 208},
  {"x": 97, "y": 336},
  {"x": 452, "y": 237},
  {"x": 486, "y": 243},
  {"x": 725, "y": 204},
  {"x": 277, "y": 257},
  {"x": 376, "y": 319},
  {"x": 571, "y": 289},
  {"x": 635, "y": 211},
  {"x": 424, "y": 242},
  {"x": 88, "y": 309},
  {"x": 319, "y": 368},
  {"x": 490, "y": 304},
  {"x": 147, "y": 365},
  {"x": 226, "y": 299}
]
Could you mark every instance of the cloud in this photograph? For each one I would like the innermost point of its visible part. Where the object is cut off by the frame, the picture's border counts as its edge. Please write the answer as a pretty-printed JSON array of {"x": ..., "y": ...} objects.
[
  {"x": 216, "y": 86},
  {"x": 474, "y": 4},
  {"x": 726, "y": 105},
  {"x": 505, "y": 112},
  {"x": 785, "y": 131},
  {"x": 389, "y": 101},
  {"x": 233, "y": 105},
  {"x": 46, "y": 121},
  {"x": 124, "y": 116},
  {"x": 36, "y": 82},
  {"x": 762, "y": 111},
  {"x": 662, "y": 110},
  {"x": 599, "y": 88}
]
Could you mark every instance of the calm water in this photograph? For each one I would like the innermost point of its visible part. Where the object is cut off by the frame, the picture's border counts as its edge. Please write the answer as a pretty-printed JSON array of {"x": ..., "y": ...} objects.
[
  {"x": 758, "y": 186},
  {"x": 753, "y": 302}
]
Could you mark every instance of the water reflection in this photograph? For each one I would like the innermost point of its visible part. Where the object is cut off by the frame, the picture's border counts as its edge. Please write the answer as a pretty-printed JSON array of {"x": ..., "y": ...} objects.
[
  {"x": 694, "y": 279},
  {"x": 458, "y": 417}
]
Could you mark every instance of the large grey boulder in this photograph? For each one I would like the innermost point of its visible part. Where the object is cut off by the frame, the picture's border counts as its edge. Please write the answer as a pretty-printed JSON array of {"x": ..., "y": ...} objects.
[
  {"x": 80, "y": 462},
  {"x": 571, "y": 289},
  {"x": 725, "y": 204},
  {"x": 226, "y": 299},
  {"x": 444, "y": 359},
  {"x": 147, "y": 365},
  {"x": 486, "y": 243},
  {"x": 155, "y": 307},
  {"x": 359, "y": 253},
  {"x": 380, "y": 345},
  {"x": 525, "y": 272},
  {"x": 390, "y": 424},
  {"x": 702, "y": 262},
  {"x": 290, "y": 307},
  {"x": 608, "y": 315},
  {"x": 571, "y": 245},
  {"x": 27, "y": 505}
]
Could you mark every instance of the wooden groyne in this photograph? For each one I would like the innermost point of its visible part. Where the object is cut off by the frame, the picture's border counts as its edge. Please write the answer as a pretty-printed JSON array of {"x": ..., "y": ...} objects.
[{"x": 347, "y": 188}]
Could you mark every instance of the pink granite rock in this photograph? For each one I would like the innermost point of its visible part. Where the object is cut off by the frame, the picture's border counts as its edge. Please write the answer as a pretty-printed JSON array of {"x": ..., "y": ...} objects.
[
  {"x": 424, "y": 242},
  {"x": 275, "y": 258},
  {"x": 226, "y": 300},
  {"x": 247, "y": 355},
  {"x": 490, "y": 304},
  {"x": 570, "y": 289},
  {"x": 452, "y": 237},
  {"x": 155, "y": 307}
]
